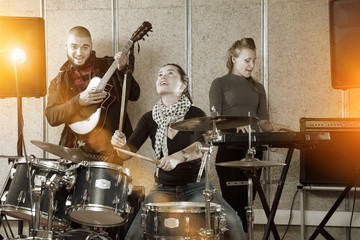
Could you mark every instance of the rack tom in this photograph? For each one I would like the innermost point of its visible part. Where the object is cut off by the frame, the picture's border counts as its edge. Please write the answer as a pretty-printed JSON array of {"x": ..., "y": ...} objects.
[{"x": 100, "y": 196}]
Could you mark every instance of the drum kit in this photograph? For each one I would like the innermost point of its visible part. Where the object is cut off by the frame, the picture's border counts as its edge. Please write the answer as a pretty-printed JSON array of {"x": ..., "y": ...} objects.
[{"x": 50, "y": 194}]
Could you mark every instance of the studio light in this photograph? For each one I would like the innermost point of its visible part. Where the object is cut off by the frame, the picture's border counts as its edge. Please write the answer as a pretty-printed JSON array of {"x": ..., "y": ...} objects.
[{"x": 16, "y": 55}]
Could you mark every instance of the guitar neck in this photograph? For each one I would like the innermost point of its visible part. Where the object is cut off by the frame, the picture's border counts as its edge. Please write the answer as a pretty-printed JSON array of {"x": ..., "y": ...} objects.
[{"x": 112, "y": 68}]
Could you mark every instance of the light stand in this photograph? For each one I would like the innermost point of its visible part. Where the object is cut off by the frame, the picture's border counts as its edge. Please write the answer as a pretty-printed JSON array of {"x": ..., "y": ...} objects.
[{"x": 20, "y": 142}]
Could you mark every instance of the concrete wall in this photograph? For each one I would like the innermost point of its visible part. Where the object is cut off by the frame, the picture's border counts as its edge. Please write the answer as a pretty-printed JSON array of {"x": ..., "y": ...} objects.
[{"x": 299, "y": 68}]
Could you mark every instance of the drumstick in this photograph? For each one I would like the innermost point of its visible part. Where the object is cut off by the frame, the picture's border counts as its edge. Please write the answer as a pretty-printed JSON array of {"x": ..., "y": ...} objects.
[{"x": 136, "y": 155}]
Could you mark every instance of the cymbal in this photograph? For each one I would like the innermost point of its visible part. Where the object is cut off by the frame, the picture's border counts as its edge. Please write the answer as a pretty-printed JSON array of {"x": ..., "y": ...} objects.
[
  {"x": 206, "y": 123},
  {"x": 250, "y": 164},
  {"x": 75, "y": 155}
]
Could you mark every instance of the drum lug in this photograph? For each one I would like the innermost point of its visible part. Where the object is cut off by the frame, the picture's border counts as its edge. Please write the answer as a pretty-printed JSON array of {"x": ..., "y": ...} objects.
[
  {"x": 68, "y": 201},
  {"x": 12, "y": 173},
  {"x": 21, "y": 198},
  {"x": 116, "y": 201},
  {"x": 156, "y": 225},
  {"x": 88, "y": 175},
  {"x": 84, "y": 198},
  {"x": 4, "y": 196},
  {"x": 118, "y": 180},
  {"x": 187, "y": 226},
  {"x": 130, "y": 189}
]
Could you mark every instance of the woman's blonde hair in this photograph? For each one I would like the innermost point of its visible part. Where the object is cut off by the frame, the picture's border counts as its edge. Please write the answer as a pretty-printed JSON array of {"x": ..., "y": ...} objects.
[{"x": 234, "y": 51}]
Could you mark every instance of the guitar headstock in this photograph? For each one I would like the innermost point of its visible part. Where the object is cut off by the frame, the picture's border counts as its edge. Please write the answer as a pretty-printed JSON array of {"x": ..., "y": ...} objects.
[{"x": 141, "y": 31}]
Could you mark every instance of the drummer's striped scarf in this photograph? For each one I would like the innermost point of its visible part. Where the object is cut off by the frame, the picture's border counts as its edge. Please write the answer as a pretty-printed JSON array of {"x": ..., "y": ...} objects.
[{"x": 163, "y": 115}]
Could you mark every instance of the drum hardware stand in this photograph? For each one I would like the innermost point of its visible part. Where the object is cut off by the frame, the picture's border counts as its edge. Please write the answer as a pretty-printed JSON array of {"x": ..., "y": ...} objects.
[
  {"x": 36, "y": 232},
  {"x": 250, "y": 165},
  {"x": 3, "y": 217},
  {"x": 208, "y": 232},
  {"x": 7, "y": 181},
  {"x": 53, "y": 185}
]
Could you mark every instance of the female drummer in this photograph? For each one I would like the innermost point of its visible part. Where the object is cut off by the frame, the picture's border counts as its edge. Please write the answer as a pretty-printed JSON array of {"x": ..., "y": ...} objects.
[{"x": 179, "y": 161}]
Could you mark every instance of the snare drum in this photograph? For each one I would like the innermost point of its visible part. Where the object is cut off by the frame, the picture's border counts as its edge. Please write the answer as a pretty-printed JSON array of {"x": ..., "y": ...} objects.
[
  {"x": 180, "y": 220},
  {"x": 15, "y": 200},
  {"x": 100, "y": 195}
]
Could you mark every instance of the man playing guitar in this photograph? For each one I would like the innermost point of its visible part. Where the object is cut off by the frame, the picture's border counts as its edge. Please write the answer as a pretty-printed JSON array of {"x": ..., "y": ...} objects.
[{"x": 72, "y": 95}]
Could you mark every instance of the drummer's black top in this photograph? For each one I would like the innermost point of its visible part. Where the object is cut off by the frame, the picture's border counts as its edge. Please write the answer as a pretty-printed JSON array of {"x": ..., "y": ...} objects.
[{"x": 184, "y": 173}]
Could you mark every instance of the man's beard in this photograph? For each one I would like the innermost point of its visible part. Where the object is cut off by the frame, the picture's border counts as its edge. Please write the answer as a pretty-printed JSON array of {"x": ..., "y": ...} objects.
[{"x": 77, "y": 66}]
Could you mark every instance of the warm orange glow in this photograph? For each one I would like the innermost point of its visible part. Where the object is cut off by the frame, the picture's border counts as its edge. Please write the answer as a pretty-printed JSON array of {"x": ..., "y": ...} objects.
[
  {"x": 22, "y": 43},
  {"x": 18, "y": 56}
]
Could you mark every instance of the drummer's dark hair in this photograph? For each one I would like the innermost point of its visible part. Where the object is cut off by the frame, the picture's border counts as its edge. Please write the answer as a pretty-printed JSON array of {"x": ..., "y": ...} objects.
[{"x": 184, "y": 79}]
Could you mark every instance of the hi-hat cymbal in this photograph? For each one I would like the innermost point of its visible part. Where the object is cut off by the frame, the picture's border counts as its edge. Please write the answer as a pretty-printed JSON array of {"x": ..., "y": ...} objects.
[
  {"x": 75, "y": 155},
  {"x": 250, "y": 164},
  {"x": 207, "y": 123}
]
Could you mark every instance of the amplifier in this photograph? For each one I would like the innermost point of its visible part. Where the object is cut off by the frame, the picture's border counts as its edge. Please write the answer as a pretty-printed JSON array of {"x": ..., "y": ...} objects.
[{"x": 335, "y": 162}]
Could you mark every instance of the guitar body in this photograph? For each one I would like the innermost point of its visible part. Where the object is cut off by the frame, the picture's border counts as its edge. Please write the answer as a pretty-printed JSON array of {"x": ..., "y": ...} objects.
[{"x": 93, "y": 117}]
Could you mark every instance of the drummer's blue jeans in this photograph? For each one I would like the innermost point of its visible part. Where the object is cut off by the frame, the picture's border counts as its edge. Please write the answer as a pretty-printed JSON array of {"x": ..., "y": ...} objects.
[{"x": 192, "y": 192}]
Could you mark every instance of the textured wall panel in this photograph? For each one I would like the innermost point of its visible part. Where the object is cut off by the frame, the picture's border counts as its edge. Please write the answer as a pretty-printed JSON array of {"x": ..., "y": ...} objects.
[{"x": 299, "y": 67}]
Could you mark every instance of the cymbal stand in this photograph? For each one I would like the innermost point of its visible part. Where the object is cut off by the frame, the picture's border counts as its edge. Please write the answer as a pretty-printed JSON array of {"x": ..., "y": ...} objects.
[
  {"x": 52, "y": 185},
  {"x": 36, "y": 191},
  {"x": 249, "y": 209},
  {"x": 39, "y": 182},
  {"x": 207, "y": 233}
]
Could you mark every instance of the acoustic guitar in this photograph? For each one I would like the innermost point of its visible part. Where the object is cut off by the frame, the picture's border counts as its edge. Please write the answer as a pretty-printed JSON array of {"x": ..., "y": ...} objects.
[{"x": 92, "y": 118}]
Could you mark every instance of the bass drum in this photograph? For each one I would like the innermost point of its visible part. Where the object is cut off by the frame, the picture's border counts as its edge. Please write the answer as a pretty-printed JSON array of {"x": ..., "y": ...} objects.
[{"x": 79, "y": 234}]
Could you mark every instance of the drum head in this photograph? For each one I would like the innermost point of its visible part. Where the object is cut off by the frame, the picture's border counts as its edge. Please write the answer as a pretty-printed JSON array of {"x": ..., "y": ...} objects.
[{"x": 96, "y": 216}]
